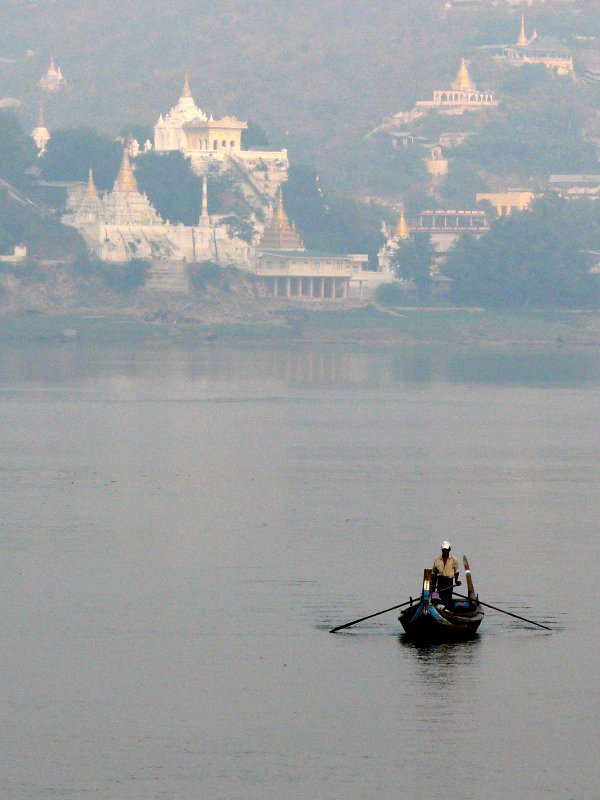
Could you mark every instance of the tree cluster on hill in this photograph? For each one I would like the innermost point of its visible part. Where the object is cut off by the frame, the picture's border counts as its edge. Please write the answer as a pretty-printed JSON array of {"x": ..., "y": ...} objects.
[
  {"x": 533, "y": 258},
  {"x": 327, "y": 221},
  {"x": 71, "y": 152},
  {"x": 18, "y": 152},
  {"x": 20, "y": 220}
]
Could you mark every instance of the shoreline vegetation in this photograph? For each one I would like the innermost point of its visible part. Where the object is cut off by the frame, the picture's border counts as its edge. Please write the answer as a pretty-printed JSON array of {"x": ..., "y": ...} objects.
[{"x": 364, "y": 326}]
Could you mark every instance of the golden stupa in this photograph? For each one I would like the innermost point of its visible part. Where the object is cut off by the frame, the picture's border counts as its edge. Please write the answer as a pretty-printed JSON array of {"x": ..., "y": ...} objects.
[
  {"x": 126, "y": 181},
  {"x": 91, "y": 186},
  {"x": 402, "y": 229},
  {"x": 463, "y": 82}
]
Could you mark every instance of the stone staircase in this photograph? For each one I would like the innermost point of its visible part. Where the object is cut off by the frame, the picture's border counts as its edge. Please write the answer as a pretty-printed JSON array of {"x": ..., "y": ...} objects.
[{"x": 168, "y": 276}]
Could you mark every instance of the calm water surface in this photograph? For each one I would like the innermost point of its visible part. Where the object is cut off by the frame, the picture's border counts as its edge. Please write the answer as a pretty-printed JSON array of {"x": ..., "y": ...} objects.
[{"x": 180, "y": 529}]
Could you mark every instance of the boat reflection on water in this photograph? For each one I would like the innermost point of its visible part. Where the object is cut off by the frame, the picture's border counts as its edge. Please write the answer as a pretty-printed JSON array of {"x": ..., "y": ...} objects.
[{"x": 443, "y": 671}]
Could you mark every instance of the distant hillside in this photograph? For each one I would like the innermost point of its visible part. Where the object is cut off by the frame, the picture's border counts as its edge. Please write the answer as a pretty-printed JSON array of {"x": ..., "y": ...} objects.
[{"x": 317, "y": 76}]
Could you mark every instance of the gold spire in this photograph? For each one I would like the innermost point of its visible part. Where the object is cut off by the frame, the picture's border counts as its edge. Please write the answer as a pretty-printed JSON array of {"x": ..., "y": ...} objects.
[
  {"x": 402, "y": 229},
  {"x": 522, "y": 42},
  {"x": 463, "y": 80},
  {"x": 278, "y": 233},
  {"x": 187, "y": 92},
  {"x": 91, "y": 190},
  {"x": 126, "y": 181}
]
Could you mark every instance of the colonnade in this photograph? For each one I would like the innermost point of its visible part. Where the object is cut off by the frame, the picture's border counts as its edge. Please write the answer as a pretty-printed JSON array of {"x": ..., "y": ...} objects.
[{"x": 312, "y": 288}]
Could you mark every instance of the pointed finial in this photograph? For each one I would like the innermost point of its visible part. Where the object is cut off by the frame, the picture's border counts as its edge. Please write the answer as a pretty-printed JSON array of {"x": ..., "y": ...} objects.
[
  {"x": 463, "y": 80},
  {"x": 91, "y": 190},
  {"x": 522, "y": 41},
  {"x": 187, "y": 92},
  {"x": 126, "y": 181},
  {"x": 280, "y": 214},
  {"x": 402, "y": 229}
]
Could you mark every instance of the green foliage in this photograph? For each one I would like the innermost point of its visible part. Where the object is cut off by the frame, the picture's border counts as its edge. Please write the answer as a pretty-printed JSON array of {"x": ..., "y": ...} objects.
[
  {"x": 17, "y": 151},
  {"x": 413, "y": 260},
  {"x": 387, "y": 169},
  {"x": 531, "y": 259},
  {"x": 391, "y": 294},
  {"x": 70, "y": 153},
  {"x": 29, "y": 270},
  {"x": 124, "y": 278},
  {"x": 330, "y": 223},
  {"x": 175, "y": 190},
  {"x": 254, "y": 137},
  {"x": 171, "y": 185},
  {"x": 461, "y": 185},
  {"x": 45, "y": 237},
  {"x": 139, "y": 132},
  {"x": 241, "y": 227},
  {"x": 208, "y": 273},
  {"x": 541, "y": 136}
]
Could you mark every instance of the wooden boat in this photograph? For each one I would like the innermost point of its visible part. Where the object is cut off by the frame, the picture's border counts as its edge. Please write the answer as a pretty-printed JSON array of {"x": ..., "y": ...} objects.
[{"x": 428, "y": 620}]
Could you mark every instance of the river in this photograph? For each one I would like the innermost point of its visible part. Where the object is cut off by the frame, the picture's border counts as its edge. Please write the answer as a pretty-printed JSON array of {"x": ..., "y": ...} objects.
[{"x": 181, "y": 527}]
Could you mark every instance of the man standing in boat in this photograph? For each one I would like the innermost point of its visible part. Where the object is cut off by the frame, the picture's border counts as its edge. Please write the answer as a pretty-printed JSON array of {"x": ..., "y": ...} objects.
[{"x": 444, "y": 574}]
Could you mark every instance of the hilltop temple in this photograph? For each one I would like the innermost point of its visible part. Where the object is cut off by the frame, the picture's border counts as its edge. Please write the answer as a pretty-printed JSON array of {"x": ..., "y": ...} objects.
[
  {"x": 123, "y": 225},
  {"x": 207, "y": 141},
  {"x": 53, "y": 81},
  {"x": 536, "y": 50},
  {"x": 462, "y": 96}
]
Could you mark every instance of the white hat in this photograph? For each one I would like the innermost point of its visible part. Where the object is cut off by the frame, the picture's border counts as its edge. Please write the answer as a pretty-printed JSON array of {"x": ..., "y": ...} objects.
[{"x": 446, "y": 546}]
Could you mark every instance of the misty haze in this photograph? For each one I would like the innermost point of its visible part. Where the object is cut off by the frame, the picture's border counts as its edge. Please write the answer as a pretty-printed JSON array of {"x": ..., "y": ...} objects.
[{"x": 299, "y": 303}]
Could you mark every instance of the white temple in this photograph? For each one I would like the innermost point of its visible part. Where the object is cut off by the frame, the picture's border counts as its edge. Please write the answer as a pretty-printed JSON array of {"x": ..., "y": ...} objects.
[
  {"x": 53, "y": 81},
  {"x": 123, "y": 225},
  {"x": 40, "y": 134},
  {"x": 207, "y": 141}
]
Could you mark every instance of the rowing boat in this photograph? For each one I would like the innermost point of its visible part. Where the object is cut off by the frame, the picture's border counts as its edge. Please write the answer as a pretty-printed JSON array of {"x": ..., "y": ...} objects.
[{"x": 428, "y": 620}]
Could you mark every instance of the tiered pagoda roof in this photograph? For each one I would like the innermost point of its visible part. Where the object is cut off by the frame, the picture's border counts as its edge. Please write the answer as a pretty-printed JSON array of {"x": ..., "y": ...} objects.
[{"x": 279, "y": 233}]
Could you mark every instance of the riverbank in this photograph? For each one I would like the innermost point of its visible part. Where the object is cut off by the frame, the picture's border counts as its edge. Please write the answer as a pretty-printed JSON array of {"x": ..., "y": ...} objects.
[{"x": 364, "y": 325}]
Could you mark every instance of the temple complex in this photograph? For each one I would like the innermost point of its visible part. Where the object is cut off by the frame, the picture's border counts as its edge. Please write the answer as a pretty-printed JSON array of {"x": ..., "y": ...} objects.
[
  {"x": 462, "y": 96},
  {"x": 53, "y": 81},
  {"x": 286, "y": 269},
  {"x": 535, "y": 49},
  {"x": 207, "y": 141},
  {"x": 40, "y": 134},
  {"x": 123, "y": 225}
]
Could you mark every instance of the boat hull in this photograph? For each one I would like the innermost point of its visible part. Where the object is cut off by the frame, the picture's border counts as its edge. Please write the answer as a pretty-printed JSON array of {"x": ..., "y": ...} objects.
[{"x": 426, "y": 622}]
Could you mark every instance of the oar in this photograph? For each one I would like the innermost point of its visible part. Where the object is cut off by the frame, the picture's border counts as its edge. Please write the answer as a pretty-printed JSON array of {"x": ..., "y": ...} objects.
[
  {"x": 508, "y": 613},
  {"x": 362, "y": 619}
]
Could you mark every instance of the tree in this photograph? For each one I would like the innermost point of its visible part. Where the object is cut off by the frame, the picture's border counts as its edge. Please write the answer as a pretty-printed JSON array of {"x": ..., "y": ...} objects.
[
  {"x": 17, "y": 151},
  {"x": 71, "y": 152},
  {"x": 531, "y": 258},
  {"x": 330, "y": 222},
  {"x": 413, "y": 260},
  {"x": 137, "y": 131},
  {"x": 254, "y": 136},
  {"x": 171, "y": 185}
]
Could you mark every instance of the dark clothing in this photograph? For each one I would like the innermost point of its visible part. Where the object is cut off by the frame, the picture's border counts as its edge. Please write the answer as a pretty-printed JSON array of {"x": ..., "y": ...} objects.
[{"x": 444, "y": 587}]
